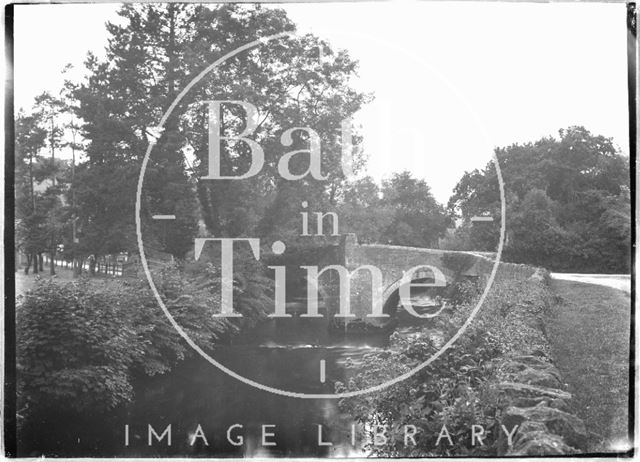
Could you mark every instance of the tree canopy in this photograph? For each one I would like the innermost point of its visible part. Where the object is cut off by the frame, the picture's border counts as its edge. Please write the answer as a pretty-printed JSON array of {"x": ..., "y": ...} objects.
[
  {"x": 152, "y": 56},
  {"x": 401, "y": 212},
  {"x": 568, "y": 203},
  {"x": 568, "y": 200}
]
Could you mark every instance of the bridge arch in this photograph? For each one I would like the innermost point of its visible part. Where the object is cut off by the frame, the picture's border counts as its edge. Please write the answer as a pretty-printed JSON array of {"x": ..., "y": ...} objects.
[
  {"x": 391, "y": 294},
  {"x": 394, "y": 261}
]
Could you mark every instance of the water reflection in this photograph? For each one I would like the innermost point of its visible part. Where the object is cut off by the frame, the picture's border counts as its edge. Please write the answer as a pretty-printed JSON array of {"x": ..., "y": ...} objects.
[{"x": 197, "y": 393}]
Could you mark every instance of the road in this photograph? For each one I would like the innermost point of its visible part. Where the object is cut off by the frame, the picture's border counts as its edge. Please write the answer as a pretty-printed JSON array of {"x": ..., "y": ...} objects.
[{"x": 615, "y": 281}]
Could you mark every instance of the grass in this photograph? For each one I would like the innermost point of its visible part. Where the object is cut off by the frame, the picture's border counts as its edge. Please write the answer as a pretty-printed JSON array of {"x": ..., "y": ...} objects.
[
  {"x": 25, "y": 282},
  {"x": 589, "y": 333}
]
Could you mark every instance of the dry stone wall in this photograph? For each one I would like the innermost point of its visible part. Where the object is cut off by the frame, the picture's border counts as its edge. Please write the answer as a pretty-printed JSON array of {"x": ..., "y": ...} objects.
[{"x": 538, "y": 402}]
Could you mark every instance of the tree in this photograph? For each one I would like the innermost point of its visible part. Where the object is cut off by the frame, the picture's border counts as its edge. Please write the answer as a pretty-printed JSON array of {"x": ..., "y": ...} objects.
[
  {"x": 536, "y": 234},
  {"x": 562, "y": 196},
  {"x": 418, "y": 219},
  {"x": 291, "y": 88},
  {"x": 150, "y": 57},
  {"x": 117, "y": 105},
  {"x": 51, "y": 109},
  {"x": 361, "y": 211},
  {"x": 31, "y": 223},
  {"x": 70, "y": 239},
  {"x": 403, "y": 211}
]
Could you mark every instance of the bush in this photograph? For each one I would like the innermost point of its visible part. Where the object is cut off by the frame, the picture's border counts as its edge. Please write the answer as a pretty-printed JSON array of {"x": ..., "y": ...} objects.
[
  {"x": 73, "y": 348},
  {"x": 80, "y": 344},
  {"x": 459, "y": 388},
  {"x": 463, "y": 292},
  {"x": 458, "y": 262},
  {"x": 452, "y": 391}
]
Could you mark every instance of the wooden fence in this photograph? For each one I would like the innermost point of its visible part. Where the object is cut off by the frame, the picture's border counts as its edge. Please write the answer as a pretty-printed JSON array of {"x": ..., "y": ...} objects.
[{"x": 107, "y": 267}]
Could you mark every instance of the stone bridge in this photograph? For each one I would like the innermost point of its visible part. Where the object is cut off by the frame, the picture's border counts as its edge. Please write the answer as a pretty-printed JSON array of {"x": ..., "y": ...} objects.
[{"x": 393, "y": 262}]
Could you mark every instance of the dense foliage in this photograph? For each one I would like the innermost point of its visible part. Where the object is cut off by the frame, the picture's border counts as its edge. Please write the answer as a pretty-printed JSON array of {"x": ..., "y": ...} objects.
[
  {"x": 457, "y": 390},
  {"x": 568, "y": 204},
  {"x": 401, "y": 212},
  {"x": 152, "y": 54},
  {"x": 80, "y": 344},
  {"x": 39, "y": 181},
  {"x": 568, "y": 199}
]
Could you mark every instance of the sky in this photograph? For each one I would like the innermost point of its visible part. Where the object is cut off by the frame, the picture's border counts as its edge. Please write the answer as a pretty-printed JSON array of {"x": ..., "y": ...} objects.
[{"x": 451, "y": 81}]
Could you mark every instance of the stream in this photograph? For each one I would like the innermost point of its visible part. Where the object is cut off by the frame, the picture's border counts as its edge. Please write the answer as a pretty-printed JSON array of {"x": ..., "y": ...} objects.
[{"x": 196, "y": 396}]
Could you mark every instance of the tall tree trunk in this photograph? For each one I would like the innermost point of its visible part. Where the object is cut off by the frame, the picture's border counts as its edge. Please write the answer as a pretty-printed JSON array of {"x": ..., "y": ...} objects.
[
  {"x": 33, "y": 195},
  {"x": 77, "y": 267},
  {"x": 52, "y": 263},
  {"x": 41, "y": 262},
  {"x": 214, "y": 193},
  {"x": 53, "y": 217},
  {"x": 52, "y": 267},
  {"x": 32, "y": 257},
  {"x": 171, "y": 83}
]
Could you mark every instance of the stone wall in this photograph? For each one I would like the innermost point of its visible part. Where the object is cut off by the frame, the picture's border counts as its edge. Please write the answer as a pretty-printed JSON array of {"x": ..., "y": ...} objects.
[{"x": 537, "y": 401}]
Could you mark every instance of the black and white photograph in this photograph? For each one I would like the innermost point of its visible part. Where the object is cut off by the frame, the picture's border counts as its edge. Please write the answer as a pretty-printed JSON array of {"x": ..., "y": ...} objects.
[{"x": 351, "y": 229}]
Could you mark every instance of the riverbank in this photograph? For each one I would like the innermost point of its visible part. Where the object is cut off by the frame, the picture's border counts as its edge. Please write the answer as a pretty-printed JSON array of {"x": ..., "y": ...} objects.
[
  {"x": 498, "y": 375},
  {"x": 497, "y": 379}
]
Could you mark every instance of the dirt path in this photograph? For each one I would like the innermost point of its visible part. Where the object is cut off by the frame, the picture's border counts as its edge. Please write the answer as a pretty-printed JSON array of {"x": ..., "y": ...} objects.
[
  {"x": 25, "y": 282},
  {"x": 617, "y": 281},
  {"x": 589, "y": 334}
]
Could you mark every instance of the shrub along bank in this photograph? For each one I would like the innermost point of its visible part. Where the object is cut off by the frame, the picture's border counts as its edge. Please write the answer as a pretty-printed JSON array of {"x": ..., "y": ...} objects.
[
  {"x": 81, "y": 344},
  {"x": 498, "y": 376}
]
